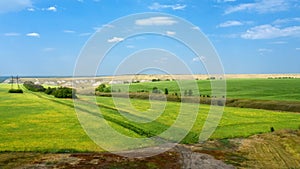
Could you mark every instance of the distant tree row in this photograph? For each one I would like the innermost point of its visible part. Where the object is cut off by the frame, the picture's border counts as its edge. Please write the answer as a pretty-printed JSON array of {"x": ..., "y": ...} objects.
[
  {"x": 281, "y": 78},
  {"x": 33, "y": 87},
  {"x": 60, "y": 92}
]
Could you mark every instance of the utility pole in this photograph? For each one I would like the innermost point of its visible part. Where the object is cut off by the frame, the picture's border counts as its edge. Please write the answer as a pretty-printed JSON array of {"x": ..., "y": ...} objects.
[
  {"x": 12, "y": 82},
  {"x": 18, "y": 82}
]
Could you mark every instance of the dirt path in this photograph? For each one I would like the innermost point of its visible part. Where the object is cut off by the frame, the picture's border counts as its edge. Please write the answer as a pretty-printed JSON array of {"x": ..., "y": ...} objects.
[{"x": 168, "y": 160}]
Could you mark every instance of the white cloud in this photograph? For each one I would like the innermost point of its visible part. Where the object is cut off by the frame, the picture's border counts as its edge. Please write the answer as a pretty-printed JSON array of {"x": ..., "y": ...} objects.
[
  {"x": 170, "y": 33},
  {"x": 108, "y": 26},
  {"x": 269, "y": 32},
  {"x": 199, "y": 59},
  {"x": 265, "y": 50},
  {"x": 158, "y": 6},
  {"x": 278, "y": 42},
  {"x": 14, "y": 5},
  {"x": 162, "y": 60},
  {"x": 85, "y": 34},
  {"x": 261, "y": 6},
  {"x": 33, "y": 34},
  {"x": 230, "y": 23},
  {"x": 31, "y": 9},
  {"x": 156, "y": 21},
  {"x": 11, "y": 34},
  {"x": 196, "y": 28},
  {"x": 130, "y": 46},
  {"x": 48, "y": 49},
  {"x": 286, "y": 20},
  {"x": 52, "y": 8},
  {"x": 97, "y": 28},
  {"x": 220, "y": 1},
  {"x": 69, "y": 31},
  {"x": 115, "y": 39}
]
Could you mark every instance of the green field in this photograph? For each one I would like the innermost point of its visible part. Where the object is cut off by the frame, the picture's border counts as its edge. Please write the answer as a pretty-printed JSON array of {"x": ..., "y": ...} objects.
[
  {"x": 38, "y": 122},
  {"x": 258, "y": 89},
  {"x": 33, "y": 123}
]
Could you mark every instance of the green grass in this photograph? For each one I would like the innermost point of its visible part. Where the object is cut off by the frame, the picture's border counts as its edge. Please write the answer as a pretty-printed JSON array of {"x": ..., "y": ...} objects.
[
  {"x": 31, "y": 123},
  {"x": 262, "y": 89},
  {"x": 38, "y": 122},
  {"x": 236, "y": 122}
]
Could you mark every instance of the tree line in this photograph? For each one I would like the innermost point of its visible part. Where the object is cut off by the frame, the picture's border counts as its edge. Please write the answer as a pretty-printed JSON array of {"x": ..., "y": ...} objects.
[{"x": 59, "y": 92}]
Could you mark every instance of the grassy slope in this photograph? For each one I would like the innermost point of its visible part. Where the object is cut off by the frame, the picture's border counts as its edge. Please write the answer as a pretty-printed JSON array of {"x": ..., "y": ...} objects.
[
  {"x": 262, "y": 89},
  {"x": 37, "y": 122},
  {"x": 236, "y": 122},
  {"x": 30, "y": 123}
]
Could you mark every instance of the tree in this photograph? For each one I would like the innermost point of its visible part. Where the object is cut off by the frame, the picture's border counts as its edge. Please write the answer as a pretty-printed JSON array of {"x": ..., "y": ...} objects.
[
  {"x": 155, "y": 90},
  {"x": 50, "y": 91},
  {"x": 64, "y": 92},
  {"x": 15, "y": 91},
  {"x": 103, "y": 88},
  {"x": 33, "y": 87},
  {"x": 166, "y": 91},
  {"x": 190, "y": 92}
]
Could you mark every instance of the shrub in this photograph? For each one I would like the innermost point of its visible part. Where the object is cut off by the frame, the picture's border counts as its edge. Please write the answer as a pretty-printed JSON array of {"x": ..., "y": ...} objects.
[
  {"x": 166, "y": 91},
  {"x": 15, "y": 91},
  {"x": 103, "y": 88},
  {"x": 33, "y": 87},
  {"x": 155, "y": 80},
  {"x": 155, "y": 90},
  {"x": 190, "y": 92},
  {"x": 64, "y": 92},
  {"x": 50, "y": 91}
]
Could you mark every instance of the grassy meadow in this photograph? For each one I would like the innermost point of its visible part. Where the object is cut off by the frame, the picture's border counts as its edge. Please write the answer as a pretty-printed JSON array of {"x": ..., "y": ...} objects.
[
  {"x": 38, "y": 122},
  {"x": 257, "y": 89},
  {"x": 30, "y": 122},
  {"x": 236, "y": 122}
]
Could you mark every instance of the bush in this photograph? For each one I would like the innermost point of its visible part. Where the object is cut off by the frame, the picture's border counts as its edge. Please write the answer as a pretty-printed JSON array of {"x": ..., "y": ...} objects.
[
  {"x": 155, "y": 80},
  {"x": 15, "y": 91},
  {"x": 272, "y": 129},
  {"x": 190, "y": 92},
  {"x": 103, "y": 88},
  {"x": 166, "y": 91},
  {"x": 155, "y": 90},
  {"x": 64, "y": 92},
  {"x": 33, "y": 87},
  {"x": 50, "y": 91}
]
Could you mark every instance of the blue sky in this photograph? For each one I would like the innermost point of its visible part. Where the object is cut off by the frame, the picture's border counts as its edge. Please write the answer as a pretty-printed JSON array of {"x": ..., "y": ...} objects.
[{"x": 45, "y": 37}]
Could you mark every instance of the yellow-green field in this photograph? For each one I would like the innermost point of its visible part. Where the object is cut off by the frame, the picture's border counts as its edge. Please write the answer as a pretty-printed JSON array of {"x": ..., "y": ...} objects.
[{"x": 38, "y": 122}]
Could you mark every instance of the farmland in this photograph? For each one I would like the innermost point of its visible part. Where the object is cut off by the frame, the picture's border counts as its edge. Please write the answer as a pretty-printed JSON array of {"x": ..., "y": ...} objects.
[
  {"x": 258, "y": 89},
  {"x": 37, "y": 122},
  {"x": 31, "y": 123}
]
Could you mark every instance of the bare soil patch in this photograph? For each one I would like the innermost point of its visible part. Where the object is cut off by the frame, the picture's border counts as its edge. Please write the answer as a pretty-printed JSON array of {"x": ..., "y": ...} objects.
[{"x": 279, "y": 149}]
